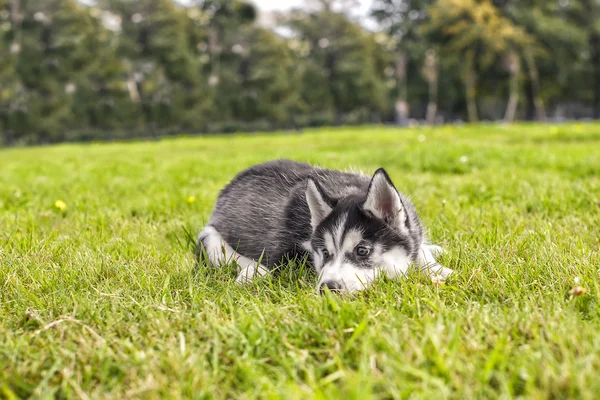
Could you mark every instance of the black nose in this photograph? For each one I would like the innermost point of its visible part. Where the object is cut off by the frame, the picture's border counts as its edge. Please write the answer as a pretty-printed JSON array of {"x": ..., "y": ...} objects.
[{"x": 333, "y": 286}]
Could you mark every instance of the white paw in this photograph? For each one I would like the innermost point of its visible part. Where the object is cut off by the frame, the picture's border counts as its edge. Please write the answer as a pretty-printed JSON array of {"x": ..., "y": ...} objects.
[
  {"x": 247, "y": 274},
  {"x": 435, "y": 249},
  {"x": 440, "y": 274},
  {"x": 242, "y": 279}
]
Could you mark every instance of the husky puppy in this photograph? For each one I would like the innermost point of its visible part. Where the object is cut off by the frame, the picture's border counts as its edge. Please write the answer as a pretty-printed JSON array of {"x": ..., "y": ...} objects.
[{"x": 354, "y": 227}]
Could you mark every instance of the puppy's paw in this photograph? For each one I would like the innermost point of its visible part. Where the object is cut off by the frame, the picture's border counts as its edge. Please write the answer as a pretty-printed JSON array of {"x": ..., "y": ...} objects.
[
  {"x": 435, "y": 249},
  {"x": 246, "y": 275},
  {"x": 439, "y": 275}
]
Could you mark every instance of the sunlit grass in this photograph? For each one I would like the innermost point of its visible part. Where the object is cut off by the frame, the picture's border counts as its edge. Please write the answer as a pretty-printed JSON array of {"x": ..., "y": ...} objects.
[{"x": 100, "y": 296}]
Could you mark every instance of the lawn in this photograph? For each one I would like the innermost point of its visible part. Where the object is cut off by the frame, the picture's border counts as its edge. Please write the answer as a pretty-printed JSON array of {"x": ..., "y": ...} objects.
[{"x": 100, "y": 296}]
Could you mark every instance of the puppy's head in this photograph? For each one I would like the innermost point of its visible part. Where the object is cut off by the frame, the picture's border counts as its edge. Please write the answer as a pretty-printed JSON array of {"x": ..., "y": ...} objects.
[{"x": 358, "y": 238}]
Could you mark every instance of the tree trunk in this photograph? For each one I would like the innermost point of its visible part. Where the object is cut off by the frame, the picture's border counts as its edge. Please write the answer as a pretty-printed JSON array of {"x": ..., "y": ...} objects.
[
  {"x": 514, "y": 69},
  {"x": 594, "y": 42},
  {"x": 513, "y": 100},
  {"x": 432, "y": 104},
  {"x": 214, "y": 50},
  {"x": 430, "y": 72},
  {"x": 17, "y": 20},
  {"x": 470, "y": 80},
  {"x": 471, "y": 100},
  {"x": 401, "y": 106},
  {"x": 431, "y": 113},
  {"x": 534, "y": 77}
]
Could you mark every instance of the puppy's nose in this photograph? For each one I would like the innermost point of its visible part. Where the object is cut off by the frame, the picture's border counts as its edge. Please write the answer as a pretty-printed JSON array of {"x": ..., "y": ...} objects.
[{"x": 333, "y": 286}]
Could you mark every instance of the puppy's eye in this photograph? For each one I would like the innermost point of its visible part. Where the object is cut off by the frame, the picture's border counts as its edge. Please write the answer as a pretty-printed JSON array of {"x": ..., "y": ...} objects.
[{"x": 362, "y": 251}]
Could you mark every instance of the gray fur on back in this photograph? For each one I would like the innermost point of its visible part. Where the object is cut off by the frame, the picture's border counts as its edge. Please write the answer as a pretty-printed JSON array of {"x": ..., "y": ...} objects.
[{"x": 264, "y": 207}]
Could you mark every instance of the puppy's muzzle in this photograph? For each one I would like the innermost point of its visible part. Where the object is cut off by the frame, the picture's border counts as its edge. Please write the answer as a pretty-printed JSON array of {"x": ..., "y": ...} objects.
[{"x": 332, "y": 286}]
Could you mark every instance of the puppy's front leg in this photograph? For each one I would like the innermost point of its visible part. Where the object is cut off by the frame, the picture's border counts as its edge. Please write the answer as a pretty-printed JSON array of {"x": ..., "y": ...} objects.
[
  {"x": 249, "y": 271},
  {"x": 429, "y": 266}
]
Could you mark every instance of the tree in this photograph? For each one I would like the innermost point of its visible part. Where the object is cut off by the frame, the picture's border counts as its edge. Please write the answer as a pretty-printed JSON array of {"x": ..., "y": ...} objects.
[
  {"x": 477, "y": 31},
  {"x": 260, "y": 79},
  {"x": 585, "y": 14},
  {"x": 345, "y": 64},
  {"x": 401, "y": 20},
  {"x": 122, "y": 68},
  {"x": 558, "y": 42},
  {"x": 52, "y": 45},
  {"x": 10, "y": 87}
]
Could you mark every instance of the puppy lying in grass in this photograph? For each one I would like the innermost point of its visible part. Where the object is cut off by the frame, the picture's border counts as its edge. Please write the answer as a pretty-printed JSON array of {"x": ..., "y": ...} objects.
[{"x": 354, "y": 227}]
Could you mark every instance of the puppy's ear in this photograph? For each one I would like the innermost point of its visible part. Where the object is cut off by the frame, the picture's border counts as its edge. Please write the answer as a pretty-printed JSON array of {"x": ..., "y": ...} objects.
[
  {"x": 319, "y": 204},
  {"x": 383, "y": 201}
]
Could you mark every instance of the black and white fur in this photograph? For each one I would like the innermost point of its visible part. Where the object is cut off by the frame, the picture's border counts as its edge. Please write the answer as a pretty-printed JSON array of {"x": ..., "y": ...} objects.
[{"x": 354, "y": 227}]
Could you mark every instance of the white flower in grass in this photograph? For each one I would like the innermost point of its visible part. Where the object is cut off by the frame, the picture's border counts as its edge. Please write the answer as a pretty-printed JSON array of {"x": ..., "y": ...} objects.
[{"x": 463, "y": 159}]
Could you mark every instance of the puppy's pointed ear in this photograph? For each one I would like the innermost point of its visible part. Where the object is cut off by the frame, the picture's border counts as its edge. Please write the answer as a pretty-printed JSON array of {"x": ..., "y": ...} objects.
[
  {"x": 383, "y": 201},
  {"x": 319, "y": 203}
]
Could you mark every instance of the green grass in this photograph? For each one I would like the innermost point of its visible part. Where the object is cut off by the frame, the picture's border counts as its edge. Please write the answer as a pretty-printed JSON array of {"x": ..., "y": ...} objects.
[{"x": 104, "y": 301}]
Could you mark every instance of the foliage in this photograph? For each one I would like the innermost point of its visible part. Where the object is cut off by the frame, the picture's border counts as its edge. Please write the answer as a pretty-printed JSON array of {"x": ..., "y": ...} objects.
[
  {"x": 345, "y": 59},
  {"x": 124, "y": 68}
]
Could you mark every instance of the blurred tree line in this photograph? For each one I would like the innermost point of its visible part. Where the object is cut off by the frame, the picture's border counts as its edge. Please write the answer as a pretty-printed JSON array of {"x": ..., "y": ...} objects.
[{"x": 101, "y": 69}]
